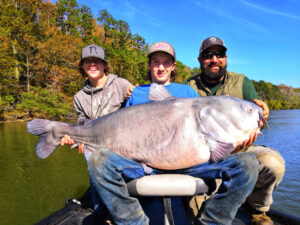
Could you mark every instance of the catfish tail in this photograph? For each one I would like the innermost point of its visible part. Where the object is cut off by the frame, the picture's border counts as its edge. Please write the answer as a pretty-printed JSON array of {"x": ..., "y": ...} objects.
[{"x": 49, "y": 139}]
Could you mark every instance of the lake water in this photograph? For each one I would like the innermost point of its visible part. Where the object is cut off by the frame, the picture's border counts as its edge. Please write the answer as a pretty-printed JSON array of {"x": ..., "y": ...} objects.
[
  {"x": 283, "y": 134},
  {"x": 32, "y": 188}
]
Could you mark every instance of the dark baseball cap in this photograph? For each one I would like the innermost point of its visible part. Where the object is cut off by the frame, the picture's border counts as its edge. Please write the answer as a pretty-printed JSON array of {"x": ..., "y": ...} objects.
[
  {"x": 93, "y": 51},
  {"x": 162, "y": 47},
  {"x": 211, "y": 41}
]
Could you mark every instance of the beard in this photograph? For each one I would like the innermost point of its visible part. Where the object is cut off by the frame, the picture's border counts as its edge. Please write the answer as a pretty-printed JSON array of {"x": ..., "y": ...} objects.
[{"x": 214, "y": 76}]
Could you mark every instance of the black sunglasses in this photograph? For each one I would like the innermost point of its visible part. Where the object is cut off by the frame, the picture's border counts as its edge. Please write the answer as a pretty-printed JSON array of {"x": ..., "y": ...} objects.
[{"x": 209, "y": 55}]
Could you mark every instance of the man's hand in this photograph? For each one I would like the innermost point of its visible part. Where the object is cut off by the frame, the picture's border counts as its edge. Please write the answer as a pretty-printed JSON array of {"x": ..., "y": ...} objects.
[
  {"x": 69, "y": 141},
  {"x": 130, "y": 90},
  {"x": 264, "y": 106},
  {"x": 246, "y": 143},
  {"x": 265, "y": 110}
]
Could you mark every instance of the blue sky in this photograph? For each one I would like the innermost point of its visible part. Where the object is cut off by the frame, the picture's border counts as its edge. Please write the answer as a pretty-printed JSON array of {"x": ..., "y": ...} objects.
[{"x": 262, "y": 37}]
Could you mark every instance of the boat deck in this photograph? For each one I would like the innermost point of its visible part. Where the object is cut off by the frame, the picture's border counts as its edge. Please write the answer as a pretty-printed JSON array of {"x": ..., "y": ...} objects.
[{"x": 74, "y": 214}]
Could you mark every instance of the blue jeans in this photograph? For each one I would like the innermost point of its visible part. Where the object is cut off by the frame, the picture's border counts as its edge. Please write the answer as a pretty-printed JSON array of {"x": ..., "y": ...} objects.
[{"x": 110, "y": 172}]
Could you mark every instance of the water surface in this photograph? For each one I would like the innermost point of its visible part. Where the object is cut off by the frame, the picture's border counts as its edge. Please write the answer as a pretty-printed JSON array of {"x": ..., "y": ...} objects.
[
  {"x": 283, "y": 134},
  {"x": 32, "y": 188}
]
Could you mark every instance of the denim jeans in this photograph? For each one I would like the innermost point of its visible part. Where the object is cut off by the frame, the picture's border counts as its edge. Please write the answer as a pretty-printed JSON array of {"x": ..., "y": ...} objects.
[
  {"x": 99, "y": 207},
  {"x": 109, "y": 173}
]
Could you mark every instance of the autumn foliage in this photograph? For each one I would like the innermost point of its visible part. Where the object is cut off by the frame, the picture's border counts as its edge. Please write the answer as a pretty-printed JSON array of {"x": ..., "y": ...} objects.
[{"x": 40, "y": 46}]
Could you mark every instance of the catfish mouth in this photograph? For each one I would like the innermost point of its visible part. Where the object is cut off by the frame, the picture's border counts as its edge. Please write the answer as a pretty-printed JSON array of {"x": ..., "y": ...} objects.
[{"x": 261, "y": 121}]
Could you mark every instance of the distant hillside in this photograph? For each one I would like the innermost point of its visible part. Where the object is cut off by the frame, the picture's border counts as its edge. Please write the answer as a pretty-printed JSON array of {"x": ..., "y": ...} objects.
[
  {"x": 278, "y": 96},
  {"x": 297, "y": 91}
]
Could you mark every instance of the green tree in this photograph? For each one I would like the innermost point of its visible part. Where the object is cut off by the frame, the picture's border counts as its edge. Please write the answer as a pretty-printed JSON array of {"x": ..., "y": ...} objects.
[
  {"x": 86, "y": 24},
  {"x": 126, "y": 52},
  {"x": 68, "y": 17},
  {"x": 44, "y": 103},
  {"x": 18, "y": 23},
  {"x": 56, "y": 63},
  {"x": 40, "y": 46},
  {"x": 196, "y": 71},
  {"x": 183, "y": 72},
  {"x": 137, "y": 64}
]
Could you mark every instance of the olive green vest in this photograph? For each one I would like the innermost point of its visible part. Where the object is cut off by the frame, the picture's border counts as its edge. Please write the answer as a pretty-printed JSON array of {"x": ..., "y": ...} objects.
[{"x": 232, "y": 85}]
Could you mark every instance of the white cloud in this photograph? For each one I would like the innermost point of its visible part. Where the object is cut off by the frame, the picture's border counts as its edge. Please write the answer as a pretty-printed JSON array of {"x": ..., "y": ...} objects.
[
  {"x": 228, "y": 15},
  {"x": 270, "y": 10}
]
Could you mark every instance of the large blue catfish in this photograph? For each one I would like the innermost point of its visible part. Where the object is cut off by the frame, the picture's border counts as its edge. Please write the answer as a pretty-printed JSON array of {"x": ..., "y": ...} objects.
[{"x": 168, "y": 133}]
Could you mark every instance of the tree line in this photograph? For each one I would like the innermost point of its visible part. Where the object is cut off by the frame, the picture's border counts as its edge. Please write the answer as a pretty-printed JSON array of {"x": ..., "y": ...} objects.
[
  {"x": 40, "y": 46},
  {"x": 278, "y": 97}
]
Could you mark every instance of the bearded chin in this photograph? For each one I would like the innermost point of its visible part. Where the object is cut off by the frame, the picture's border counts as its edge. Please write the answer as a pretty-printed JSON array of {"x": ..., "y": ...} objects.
[{"x": 213, "y": 76}]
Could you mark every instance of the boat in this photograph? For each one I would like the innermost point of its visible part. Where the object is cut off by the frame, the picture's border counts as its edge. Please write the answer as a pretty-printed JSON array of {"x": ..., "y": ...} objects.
[{"x": 76, "y": 212}]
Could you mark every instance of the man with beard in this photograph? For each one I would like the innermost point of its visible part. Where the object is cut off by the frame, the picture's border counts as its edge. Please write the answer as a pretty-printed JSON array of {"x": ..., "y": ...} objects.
[{"x": 214, "y": 79}]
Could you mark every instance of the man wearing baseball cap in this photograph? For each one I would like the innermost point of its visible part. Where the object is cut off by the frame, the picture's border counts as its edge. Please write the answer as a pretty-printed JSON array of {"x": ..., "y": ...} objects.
[
  {"x": 99, "y": 87},
  {"x": 161, "y": 70},
  {"x": 214, "y": 79},
  {"x": 102, "y": 93}
]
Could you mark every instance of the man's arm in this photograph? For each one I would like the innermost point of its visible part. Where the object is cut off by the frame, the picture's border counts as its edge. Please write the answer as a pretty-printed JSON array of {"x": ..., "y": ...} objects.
[{"x": 249, "y": 92}]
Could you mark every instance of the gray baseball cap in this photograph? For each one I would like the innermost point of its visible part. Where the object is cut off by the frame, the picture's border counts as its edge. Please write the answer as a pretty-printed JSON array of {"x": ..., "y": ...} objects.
[
  {"x": 211, "y": 41},
  {"x": 93, "y": 51}
]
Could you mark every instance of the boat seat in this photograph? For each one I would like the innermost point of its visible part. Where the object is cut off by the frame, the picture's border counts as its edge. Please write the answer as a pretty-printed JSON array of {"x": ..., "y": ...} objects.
[{"x": 166, "y": 186}]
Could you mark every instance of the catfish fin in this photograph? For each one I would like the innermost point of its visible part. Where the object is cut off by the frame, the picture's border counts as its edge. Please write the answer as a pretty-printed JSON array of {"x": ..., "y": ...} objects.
[
  {"x": 47, "y": 143},
  {"x": 220, "y": 151},
  {"x": 158, "y": 92},
  {"x": 38, "y": 126},
  {"x": 44, "y": 148},
  {"x": 218, "y": 148}
]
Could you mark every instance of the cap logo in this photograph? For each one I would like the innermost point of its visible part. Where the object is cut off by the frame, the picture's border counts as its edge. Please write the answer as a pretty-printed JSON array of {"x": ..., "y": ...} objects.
[
  {"x": 213, "y": 39},
  {"x": 93, "y": 48},
  {"x": 161, "y": 46}
]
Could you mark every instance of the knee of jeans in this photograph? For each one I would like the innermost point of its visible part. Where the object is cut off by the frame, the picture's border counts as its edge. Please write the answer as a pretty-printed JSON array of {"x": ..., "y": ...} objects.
[
  {"x": 274, "y": 163},
  {"x": 250, "y": 164},
  {"x": 98, "y": 159}
]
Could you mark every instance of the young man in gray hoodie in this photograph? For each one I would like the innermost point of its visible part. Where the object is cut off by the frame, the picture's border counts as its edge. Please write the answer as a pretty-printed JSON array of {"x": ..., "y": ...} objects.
[{"x": 102, "y": 93}]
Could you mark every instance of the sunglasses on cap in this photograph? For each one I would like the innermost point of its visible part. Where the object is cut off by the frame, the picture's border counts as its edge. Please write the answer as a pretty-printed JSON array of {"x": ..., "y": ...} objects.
[{"x": 209, "y": 55}]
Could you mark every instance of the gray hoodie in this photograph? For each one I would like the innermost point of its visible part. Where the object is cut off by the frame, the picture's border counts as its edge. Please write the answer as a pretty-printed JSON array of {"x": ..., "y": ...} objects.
[{"x": 91, "y": 102}]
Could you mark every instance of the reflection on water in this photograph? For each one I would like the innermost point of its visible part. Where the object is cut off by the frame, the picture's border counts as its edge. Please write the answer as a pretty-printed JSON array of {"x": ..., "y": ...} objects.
[
  {"x": 283, "y": 134},
  {"x": 32, "y": 188}
]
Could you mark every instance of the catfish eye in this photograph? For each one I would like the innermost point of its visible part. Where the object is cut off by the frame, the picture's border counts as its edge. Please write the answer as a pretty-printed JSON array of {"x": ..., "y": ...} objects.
[{"x": 247, "y": 108}]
